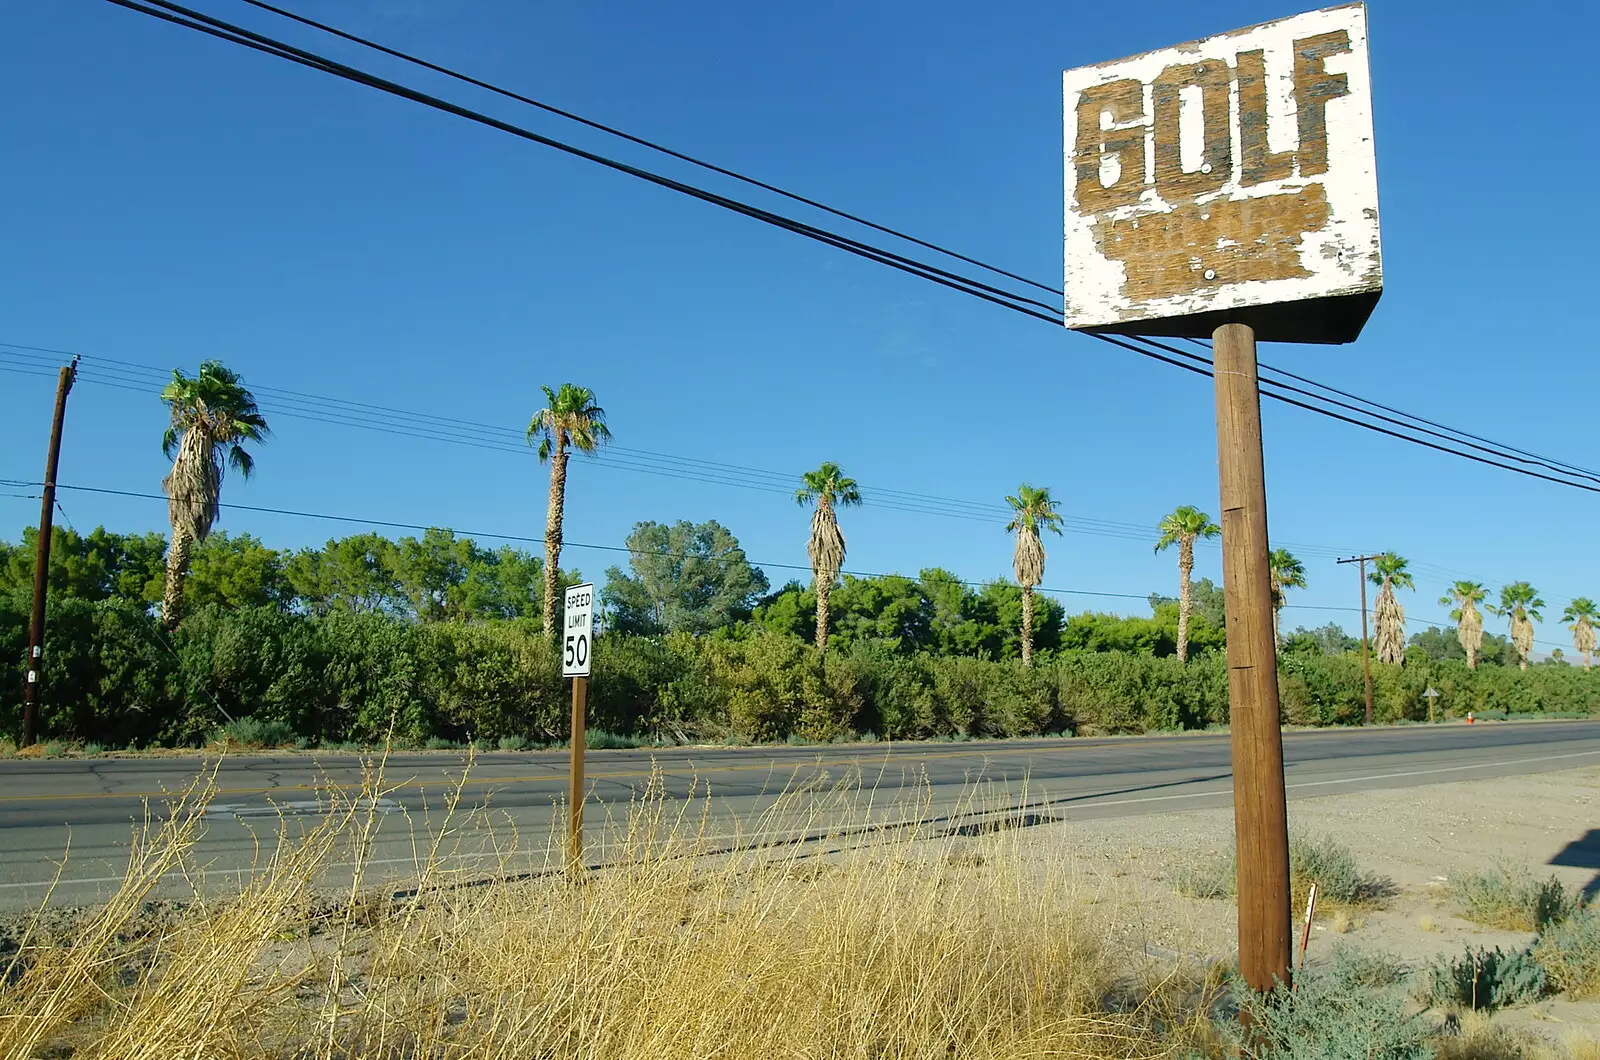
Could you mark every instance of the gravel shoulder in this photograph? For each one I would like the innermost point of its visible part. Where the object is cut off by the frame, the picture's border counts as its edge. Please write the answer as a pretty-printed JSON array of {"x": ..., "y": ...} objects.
[{"x": 1418, "y": 839}]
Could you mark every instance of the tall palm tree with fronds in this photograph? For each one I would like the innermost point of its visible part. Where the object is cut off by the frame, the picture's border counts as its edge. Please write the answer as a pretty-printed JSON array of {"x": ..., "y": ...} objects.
[
  {"x": 1469, "y": 623},
  {"x": 1388, "y": 574},
  {"x": 828, "y": 489},
  {"x": 570, "y": 419},
  {"x": 212, "y": 416},
  {"x": 1284, "y": 572},
  {"x": 1520, "y": 602},
  {"x": 1581, "y": 614},
  {"x": 1033, "y": 510},
  {"x": 1181, "y": 527}
]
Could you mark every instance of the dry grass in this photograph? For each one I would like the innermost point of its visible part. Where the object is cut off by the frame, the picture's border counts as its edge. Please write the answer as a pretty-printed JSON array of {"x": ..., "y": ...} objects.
[{"x": 912, "y": 946}]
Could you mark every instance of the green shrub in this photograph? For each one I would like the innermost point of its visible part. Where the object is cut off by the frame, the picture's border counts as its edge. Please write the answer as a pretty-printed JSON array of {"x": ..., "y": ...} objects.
[
  {"x": 601, "y": 740},
  {"x": 513, "y": 743},
  {"x": 439, "y": 743},
  {"x": 1331, "y": 866},
  {"x": 1482, "y": 979},
  {"x": 1510, "y": 897},
  {"x": 1323, "y": 1019},
  {"x": 1323, "y": 861},
  {"x": 1354, "y": 968},
  {"x": 256, "y": 733},
  {"x": 1210, "y": 877},
  {"x": 1570, "y": 953}
]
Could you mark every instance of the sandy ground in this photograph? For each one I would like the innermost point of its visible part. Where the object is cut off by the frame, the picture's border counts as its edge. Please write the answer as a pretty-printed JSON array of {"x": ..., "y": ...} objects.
[{"x": 1417, "y": 839}]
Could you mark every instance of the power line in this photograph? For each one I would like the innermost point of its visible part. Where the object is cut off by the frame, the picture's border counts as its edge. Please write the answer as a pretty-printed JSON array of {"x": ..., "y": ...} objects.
[
  {"x": 526, "y": 539},
  {"x": 195, "y": 20},
  {"x": 642, "y": 142}
]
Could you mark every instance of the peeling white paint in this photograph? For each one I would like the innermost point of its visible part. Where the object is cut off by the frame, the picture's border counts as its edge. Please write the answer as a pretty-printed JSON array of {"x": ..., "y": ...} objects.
[{"x": 1342, "y": 257}]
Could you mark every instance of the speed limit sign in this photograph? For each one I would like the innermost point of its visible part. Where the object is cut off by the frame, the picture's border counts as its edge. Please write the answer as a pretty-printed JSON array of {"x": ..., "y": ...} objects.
[{"x": 577, "y": 631}]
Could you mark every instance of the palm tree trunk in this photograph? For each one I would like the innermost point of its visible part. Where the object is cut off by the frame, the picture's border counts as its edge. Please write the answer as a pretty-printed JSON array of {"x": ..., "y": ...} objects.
[
  {"x": 552, "y": 533},
  {"x": 1472, "y": 658},
  {"x": 1277, "y": 638},
  {"x": 824, "y": 590},
  {"x": 178, "y": 556},
  {"x": 1027, "y": 625},
  {"x": 1185, "y": 595},
  {"x": 1524, "y": 663}
]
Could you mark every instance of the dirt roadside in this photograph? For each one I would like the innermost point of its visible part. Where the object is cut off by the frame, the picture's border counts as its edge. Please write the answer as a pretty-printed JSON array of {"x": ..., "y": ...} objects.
[{"x": 1416, "y": 838}]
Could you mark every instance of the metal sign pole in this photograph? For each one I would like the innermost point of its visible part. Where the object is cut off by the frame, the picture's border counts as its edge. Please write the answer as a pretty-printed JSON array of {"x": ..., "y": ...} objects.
[{"x": 577, "y": 622}]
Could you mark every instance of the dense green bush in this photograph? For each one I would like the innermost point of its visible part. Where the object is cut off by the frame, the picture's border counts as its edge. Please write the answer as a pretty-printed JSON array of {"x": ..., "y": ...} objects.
[
  {"x": 1510, "y": 897},
  {"x": 345, "y": 676},
  {"x": 1326, "y": 1018},
  {"x": 1482, "y": 979},
  {"x": 1570, "y": 953}
]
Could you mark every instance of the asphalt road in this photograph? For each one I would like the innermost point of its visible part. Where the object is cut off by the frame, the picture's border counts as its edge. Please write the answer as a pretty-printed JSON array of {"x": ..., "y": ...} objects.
[{"x": 66, "y": 825}]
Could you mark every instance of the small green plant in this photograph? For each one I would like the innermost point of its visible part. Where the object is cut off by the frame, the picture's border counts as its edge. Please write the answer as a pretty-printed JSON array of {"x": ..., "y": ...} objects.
[
  {"x": 93, "y": 749},
  {"x": 513, "y": 743},
  {"x": 1331, "y": 866},
  {"x": 1570, "y": 953},
  {"x": 1354, "y": 968},
  {"x": 439, "y": 743},
  {"x": 1482, "y": 979},
  {"x": 251, "y": 734},
  {"x": 1510, "y": 897},
  {"x": 1323, "y": 1019},
  {"x": 1211, "y": 877},
  {"x": 600, "y": 740},
  {"x": 1324, "y": 861}
]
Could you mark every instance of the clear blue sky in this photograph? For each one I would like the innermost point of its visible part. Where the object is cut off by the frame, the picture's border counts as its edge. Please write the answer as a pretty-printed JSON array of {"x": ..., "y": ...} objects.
[{"x": 168, "y": 198}]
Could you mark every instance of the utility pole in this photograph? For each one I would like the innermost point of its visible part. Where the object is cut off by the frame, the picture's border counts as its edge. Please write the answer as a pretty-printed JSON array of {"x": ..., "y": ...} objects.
[
  {"x": 41, "y": 562},
  {"x": 1260, "y": 816},
  {"x": 1366, "y": 652}
]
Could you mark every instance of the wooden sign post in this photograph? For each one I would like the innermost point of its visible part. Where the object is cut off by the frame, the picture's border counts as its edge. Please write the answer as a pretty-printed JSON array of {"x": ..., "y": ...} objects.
[
  {"x": 577, "y": 630},
  {"x": 1227, "y": 189}
]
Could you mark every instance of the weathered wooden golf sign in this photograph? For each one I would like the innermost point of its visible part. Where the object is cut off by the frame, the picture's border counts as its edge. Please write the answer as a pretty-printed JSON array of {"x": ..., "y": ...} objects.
[
  {"x": 1227, "y": 180},
  {"x": 1226, "y": 188}
]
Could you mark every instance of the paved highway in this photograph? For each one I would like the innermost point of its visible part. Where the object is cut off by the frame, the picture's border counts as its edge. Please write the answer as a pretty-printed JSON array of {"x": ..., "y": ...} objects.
[{"x": 74, "y": 818}]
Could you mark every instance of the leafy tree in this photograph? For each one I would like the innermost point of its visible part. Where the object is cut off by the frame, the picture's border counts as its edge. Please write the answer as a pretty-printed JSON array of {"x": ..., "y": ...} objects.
[
  {"x": 570, "y": 418},
  {"x": 1581, "y": 613},
  {"x": 1330, "y": 639},
  {"x": 1520, "y": 602},
  {"x": 1033, "y": 510},
  {"x": 432, "y": 573},
  {"x": 212, "y": 415},
  {"x": 1442, "y": 646},
  {"x": 1284, "y": 572},
  {"x": 96, "y": 566},
  {"x": 237, "y": 572},
  {"x": 507, "y": 583},
  {"x": 1388, "y": 573},
  {"x": 687, "y": 578},
  {"x": 1467, "y": 595},
  {"x": 356, "y": 574},
  {"x": 1181, "y": 527},
  {"x": 829, "y": 489}
]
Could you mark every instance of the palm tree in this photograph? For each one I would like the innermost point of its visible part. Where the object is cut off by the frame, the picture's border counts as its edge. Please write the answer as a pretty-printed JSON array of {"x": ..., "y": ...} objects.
[
  {"x": 1581, "y": 613},
  {"x": 1034, "y": 511},
  {"x": 827, "y": 488},
  {"x": 1389, "y": 573},
  {"x": 1520, "y": 601},
  {"x": 1469, "y": 624},
  {"x": 1284, "y": 572},
  {"x": 1180, "y": 527},
  {"x": 212, "y": 416},
  {"x": 570, "y": 418}
]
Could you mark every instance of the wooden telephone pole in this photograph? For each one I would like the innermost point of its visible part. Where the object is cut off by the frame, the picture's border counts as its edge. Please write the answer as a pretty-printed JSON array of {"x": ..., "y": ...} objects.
[
  {"x": 1366, "y": 651},
  {"x": 41, "y": 562},
  {"x": 1261, "y": 822}
]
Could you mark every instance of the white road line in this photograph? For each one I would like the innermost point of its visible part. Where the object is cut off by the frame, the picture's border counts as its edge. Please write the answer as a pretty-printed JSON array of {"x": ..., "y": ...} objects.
[{"x": 70, "y": 881}]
